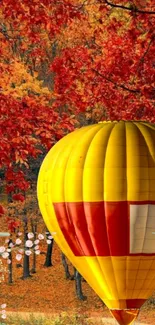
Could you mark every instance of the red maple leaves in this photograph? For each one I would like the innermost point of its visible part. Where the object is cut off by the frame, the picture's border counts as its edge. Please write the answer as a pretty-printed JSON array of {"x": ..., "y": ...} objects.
[
  {"x": 97, "y": 60},
  {"x": 115, "y": 71},
  {"x": 2, "y": 210}
]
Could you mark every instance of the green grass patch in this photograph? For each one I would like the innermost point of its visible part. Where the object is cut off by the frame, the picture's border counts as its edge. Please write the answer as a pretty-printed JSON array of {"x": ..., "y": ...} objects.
[{"x": 62, "y": 319}]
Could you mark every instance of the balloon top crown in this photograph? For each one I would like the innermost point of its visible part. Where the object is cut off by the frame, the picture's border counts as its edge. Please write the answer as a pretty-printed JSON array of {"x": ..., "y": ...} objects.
[{"x": 118, "y": 121}]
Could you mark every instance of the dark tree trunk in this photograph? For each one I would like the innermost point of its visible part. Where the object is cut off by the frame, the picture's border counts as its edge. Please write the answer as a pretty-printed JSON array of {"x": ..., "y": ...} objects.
[
  {"x": 48, "y": 260},
  {"x": 26, "y": 267},
  {"x": 66, "y": 268},
  {"x": 26, "y": 264},
  {"x": 9, "y": 195},
  {"x": 78, "y": 285},
  {"x": 10, "y": 278},
  {"x": 9, "y": 198},
  {"x": 34, "y": 231},
  {"x": 77, "y": 277}
]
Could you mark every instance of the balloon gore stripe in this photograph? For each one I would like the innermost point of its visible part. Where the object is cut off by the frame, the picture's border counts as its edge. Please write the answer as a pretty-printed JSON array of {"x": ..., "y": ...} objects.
[
  {"x": 109, "y": 235},
  {"x": 133, "y": 303}
]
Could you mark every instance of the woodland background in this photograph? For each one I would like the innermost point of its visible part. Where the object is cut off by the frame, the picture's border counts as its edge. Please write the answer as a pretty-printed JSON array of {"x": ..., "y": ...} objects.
[{"x": 63, "y": 64}]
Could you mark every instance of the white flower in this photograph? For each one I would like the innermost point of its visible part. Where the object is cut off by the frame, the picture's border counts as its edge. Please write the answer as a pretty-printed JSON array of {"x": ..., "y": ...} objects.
[
  {"x": 2, "y": 249},
  {"x": 50, "y": 237},
  {"x": 37, "y": 252},
  {"x": 18, "y": 241},
  {"x": 29, "y": 243},
  {"x": 30, "y": 235},
  {"x": 5, "y": 255},
  {"x": 19, "y": 233},
  {"x": 36, "y": 242},
  {"x": 28, "y": 252},
  {"x": 21, "y": 250},
  {"x": 40, "y": 236},
  {"x": 36, "y": 247},
  {"x": 18, "y": 257},
  {"x": 8, "y": 250},
  {"x": 3, "y": 316},
  {"x": 8, "y": 261},
  {"x": 11, "y": 245},
  {"x": 3, "y": 306},
  {"x": 48, "y": 241}
]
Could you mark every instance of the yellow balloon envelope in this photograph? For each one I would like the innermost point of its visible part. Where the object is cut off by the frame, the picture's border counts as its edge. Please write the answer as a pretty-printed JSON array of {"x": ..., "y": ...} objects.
[{"x": 96, "y": 190}]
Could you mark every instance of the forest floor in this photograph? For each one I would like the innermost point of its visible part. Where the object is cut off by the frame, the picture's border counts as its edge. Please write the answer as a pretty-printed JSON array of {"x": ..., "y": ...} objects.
[{"x": 48, "y": 292}]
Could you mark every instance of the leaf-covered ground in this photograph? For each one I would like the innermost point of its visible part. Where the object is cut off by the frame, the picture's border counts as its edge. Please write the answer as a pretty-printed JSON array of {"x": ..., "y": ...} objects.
[{"x": 48, "y": 291}]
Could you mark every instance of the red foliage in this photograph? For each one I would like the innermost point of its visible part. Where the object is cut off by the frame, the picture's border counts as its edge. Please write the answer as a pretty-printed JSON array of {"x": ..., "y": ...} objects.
[
  {"x": 13, "y": 224},
  {"x": 107, "y": 69},
  {"x": 2, "y": 211},
  {"x": 18, "y": 197},
  {"x": 121, "y": 80}
]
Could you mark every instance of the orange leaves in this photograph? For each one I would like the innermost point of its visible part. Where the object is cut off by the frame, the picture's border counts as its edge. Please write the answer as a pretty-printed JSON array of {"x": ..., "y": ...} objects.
[{"x": 19, "y": 83}]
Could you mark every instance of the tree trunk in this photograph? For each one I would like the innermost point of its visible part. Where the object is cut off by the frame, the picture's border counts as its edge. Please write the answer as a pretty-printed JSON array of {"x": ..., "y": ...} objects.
[
  {"x": 10, "y": 278},
  {"x": 26, "y": 264},
  {"x": 26, "y": 267},
  {"x": 34, "y": 231},
  {"x": 66, "y": 268},
  {"x": 48, "y": 261},
  {"x": 78, "y": 286},
  {"x": 9, "y": 196}
]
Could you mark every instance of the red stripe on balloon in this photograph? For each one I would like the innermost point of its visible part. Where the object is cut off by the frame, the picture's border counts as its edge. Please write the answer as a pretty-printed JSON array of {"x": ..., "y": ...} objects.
[
  {"x": 130, "y": 303},
  {"x": 96, "y": 228},
  {"x": 134, "y": 303},
  {"x": 117, "y": 225},
  {"x": 125, "y": 316},
  {"x": 93, "y": 228},
  {"x": 71, "y": 219}
]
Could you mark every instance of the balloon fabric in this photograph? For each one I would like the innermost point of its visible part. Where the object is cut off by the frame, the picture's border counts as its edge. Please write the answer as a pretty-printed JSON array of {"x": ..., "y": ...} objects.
[{"x": 96, "y": 191}]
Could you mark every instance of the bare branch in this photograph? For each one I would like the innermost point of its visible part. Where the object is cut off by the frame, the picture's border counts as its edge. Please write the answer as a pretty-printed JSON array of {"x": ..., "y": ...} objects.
[
  {"x": 147, "y": 50},
  {"x": 117, "y": 85},
  {"x": 132, "y": 8}
]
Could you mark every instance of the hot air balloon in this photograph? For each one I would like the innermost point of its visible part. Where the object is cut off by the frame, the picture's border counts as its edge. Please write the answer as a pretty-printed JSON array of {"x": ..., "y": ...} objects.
[{"x": 96, "y": 190}]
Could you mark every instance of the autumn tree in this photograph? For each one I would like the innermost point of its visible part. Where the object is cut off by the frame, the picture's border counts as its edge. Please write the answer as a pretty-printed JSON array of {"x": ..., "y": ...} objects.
[
  {"x": 69, "y": 62},
  {"x": 114, "y": 77}
]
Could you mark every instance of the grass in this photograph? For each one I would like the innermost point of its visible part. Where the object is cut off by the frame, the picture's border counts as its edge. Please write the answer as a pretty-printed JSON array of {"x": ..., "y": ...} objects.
[{"x": 62, "y": 319}]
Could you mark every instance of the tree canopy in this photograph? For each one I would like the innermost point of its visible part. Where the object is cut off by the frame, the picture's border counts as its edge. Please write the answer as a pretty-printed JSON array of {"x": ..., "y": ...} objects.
[{"x": 67, "y": 63}]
